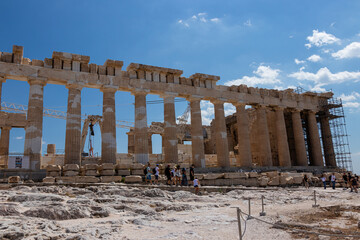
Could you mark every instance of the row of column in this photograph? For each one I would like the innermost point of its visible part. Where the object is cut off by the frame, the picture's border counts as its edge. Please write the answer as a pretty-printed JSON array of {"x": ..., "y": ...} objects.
[{"x": 33, "y": 131}]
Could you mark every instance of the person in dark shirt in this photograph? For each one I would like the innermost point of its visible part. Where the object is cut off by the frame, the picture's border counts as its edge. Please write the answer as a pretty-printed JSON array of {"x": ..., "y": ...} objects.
[
  {"x": 168, "y": 175},
  {"x": 354, "y": 184},
  {"x": 192, "y": 174},
  {"x": 345, "y": 178}
]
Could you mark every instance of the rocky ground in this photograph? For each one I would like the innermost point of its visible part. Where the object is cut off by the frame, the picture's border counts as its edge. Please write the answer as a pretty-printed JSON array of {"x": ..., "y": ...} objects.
[{"x": 117, "y": 211}]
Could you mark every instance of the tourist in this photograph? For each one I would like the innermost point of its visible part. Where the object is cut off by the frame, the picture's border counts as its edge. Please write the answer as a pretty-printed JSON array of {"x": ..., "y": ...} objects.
[
  {"x": 306, "y": 181},
  {"x": 168, "y": 174},
  {"x": 184, "y": 181},
  {"x": 345, "y": 178},
  {"x": 354, "y": 184},
  {"x": 333, "y": 179},
  {"x": 178, "y": 175},
  {"x": 192, "y": 173},
  {"x": 157, "y": 172},
  {"x": 323, "y": 179},
  {"x": 348, "y": 177},
  {"x": 196, "y": 185},
  {"x": 173, "y": 176},
  {"x": 148, "y": 173}
]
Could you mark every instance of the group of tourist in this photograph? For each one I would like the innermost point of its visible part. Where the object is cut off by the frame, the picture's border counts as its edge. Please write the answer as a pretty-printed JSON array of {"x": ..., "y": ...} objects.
[
  {"x": 350, "y": 181},
  {"x": 174, "y": 176}
]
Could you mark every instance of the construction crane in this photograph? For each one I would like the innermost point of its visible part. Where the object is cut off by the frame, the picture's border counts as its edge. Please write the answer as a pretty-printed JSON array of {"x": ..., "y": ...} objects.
[
  {"x": 185, "y": 116},
  {"x": 89, "y": 123}
]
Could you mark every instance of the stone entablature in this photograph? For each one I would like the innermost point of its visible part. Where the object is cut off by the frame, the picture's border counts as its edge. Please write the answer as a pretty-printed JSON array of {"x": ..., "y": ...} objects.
[{"x": 66, "y": 68}]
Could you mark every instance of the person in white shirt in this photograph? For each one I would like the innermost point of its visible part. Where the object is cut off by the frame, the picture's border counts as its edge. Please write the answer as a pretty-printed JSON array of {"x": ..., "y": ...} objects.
[
  {"x": 323, "y": 179},
  {"x": 333, "y": 179},
  {"x": 196, "y": 185}
]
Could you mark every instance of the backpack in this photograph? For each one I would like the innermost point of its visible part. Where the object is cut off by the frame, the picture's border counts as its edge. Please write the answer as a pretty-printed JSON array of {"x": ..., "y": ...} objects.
[
  {"x": 145, "y": 170},
  {"x": 154, "y": 170}
]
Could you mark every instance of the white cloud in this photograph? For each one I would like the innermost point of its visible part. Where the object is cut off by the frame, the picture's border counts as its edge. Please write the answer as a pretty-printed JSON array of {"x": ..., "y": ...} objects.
[
  {"x": 207, "y": 112},
  {"x": 350, "y": 51},
  {"x": 314, "y": 58},
  {"x": 291, "y": 36},
  {"x": 332, "y": 24},
  {"x": 200, "y": 18},
  {"x": 297, "y": 61},
  {"x": 263, "y": 75},
  {"x": 19, "y": 138},
  {"x": 319, "y": 39},
  {"x": 248, "y": 23},
  {"x": 229, "y": 109},
  {"x": 324, "y": 76},
  {"x": 351, "y": 100}
]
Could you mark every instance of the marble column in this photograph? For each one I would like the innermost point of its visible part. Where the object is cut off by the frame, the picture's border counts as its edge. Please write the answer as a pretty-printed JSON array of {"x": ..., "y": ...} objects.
[
  {"x": 131, "y": 142},
  {"x": 150, "y": 142},
  {"x": 4, "y": 142},
  {"x": 282, "y": 139},
  {"x": 263, "y": 137},
  {"x": 141, "y": 135},
  {"x": 108, "y": 131},
  {"x": 314, "y": 139},
  {"x": 197, "y": 137},
  {"x": 243, "y": 134},
  {"x": 73, "y": 126},
  {"x": 222, "y": 149},
  {"x": 34, "y": 125},
  {"x": 300, "y": 149},
  {"x": 326, "y": 138},
  {"x": 2, "y": 80},
  {"x": 170, "y": 139}
]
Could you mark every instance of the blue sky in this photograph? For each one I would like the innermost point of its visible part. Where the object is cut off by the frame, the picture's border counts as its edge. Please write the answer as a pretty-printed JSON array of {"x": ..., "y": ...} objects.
[{"x": 272, "y": 44}]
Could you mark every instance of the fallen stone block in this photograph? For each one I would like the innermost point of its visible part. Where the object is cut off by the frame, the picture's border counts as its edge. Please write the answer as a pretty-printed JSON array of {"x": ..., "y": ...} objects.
[
  {"x": 138, "y": 166},
  {"x": 123, "y": 166},
  {"x": 253, "y": 174},
  {"x": 51, "y": 168},
  {"x": 272, "y": 174},
  {"x": 53, "y": 174},
  {"x": 298, "y": 180},
  {"x": 263, "y": 181},
  {"x": 91, "y": 173},
  {"x": 71, "y": 173},
  {"x": 137, "y": 172},
  {"x": 14, "y": 179},
  {"x": 133, "y": 179},
  {"x": 91, "y": 167},
  {"x": 199, "y": 176},
  {"x": 49, "y": 180},
  {"x": 211, "y": 176},
  {"x": 243, "y": 175},
  {"x": 232, "y": 175},
  {"x": 86, "y": 179},
  {"x": 275, "y": 181},
  {"x": 107, "y": 172},
  {"x": 107, "y": 166},
  {"x": 71, "y": 167},
  {"x": 286, "y": 180},
  {"x": 65, "y": 179},
  {"x": 108, "y": 179},
  {"x": 123, "y": 172}
]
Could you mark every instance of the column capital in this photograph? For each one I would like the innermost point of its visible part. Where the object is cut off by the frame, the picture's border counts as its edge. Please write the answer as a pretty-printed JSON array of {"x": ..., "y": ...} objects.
[
  {"x": 279, "y": 108},
  {"x": 74, "y": 86},
  {"x": 239, "y": 104},
  {"x": 107, "y": 88},
  {"x": 168, "y": 94},
  {"x": 2, "y": 77},
  {"x": 193, "y": 98},
  {"x": 139, "y": 92},
  {"x": 6, "y": 127},
  {"x": 260, "y": 106},
  {"x": 37, "y": 81},
  {"x": 312, "y": 111},
  {"x": 218, "y": 100},
  {"x": 294, "y": 110}
]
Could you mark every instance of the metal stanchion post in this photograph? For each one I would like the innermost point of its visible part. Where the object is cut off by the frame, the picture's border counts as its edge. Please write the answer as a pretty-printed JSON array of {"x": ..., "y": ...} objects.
[
  {"x": 239, "y": 222},
  {"x": 315, "y": 205},
  {"x": 249, "y": 217},
  {"x": 262, "y": 206}
]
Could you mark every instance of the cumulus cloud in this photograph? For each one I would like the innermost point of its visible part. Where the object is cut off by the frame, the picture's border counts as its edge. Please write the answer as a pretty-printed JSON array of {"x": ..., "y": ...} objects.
[
  {"x": 200, "y": 18},
  {"x": 297, "y": 61},
  {"x": 208, "y": 112},
  {"x": 351, "y": 100},
  {"x": 319, "y": 39},
  {"x": 314, "y": 58},
  {"x": 19, "y": 138},
  {"x": 324, "y": 76},
  {"x": 264, "y": 75},
  {"x": 350, "y": 51}
]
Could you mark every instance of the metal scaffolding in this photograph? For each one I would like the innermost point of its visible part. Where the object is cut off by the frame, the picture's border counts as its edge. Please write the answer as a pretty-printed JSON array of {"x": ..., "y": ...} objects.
[{"x": 339, "y": 134}]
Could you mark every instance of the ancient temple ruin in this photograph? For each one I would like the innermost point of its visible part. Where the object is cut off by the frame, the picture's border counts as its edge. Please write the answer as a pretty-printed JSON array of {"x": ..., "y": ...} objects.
[{"x": 269, "y": 128}]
